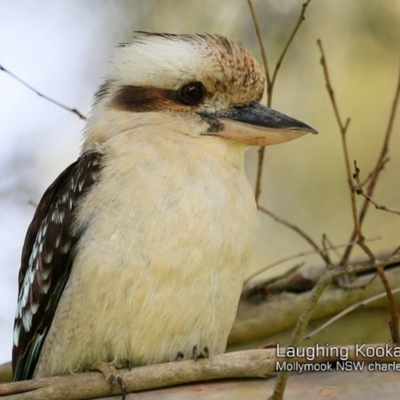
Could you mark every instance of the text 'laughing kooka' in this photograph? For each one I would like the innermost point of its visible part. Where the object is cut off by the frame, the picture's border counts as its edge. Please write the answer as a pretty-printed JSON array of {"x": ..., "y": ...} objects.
[{"x": 138, "y": 249}]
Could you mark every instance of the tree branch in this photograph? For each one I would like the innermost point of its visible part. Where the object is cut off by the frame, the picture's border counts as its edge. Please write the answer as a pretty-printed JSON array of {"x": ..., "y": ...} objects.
[
  {"x": 271, "y": 81},
  {"x": 57, "y": 103},
  {"x": 242, "y": 364}
]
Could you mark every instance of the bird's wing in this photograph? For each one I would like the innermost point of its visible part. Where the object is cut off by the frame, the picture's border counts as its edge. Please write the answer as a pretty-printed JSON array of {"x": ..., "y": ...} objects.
[{"x": 47, "y": 258}]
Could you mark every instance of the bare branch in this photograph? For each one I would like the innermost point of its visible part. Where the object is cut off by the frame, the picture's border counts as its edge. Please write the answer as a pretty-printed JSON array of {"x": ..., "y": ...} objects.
[
  {"x": 298, "y": 333},
  {"x": 348, "y": 311},
  {"x": 289, "y": 42},
  {"x": 343, "y": 129},
  {"x": 375, "y": 175},
  {"x": 270, "y": 81},
  {"x": 394, "y": 322},
  {"x": 260, "y": 40},
  {"x": 298, "y": 255},
  {"x": 327, "y": 277},
  {"x": 371, "y": 174},
  {"x": 357, "y": 233},
  {"x": 304, "y": 235},
  {"x": 360, "y": 191},
  {"x": 73, "y": 110},
  {"x": 241, "y": 364}
]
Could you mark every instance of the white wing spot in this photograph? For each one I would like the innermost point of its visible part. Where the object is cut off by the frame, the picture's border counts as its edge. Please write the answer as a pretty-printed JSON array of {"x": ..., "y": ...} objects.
[
  {"x": 33, "y": 254},
  {"x": 27, "y": 320},
  {"x": 34, "y": 308},
  {"x": 48, "y": 257},
  {"x": 64, "y": 198},
  {"x": 46, "y": 273},
  {"x": 65, "y": 247},
  {"x": 31, "y": 276},
  {"x": 44, "y": 230},
  {"x": 57, "y": 216},
  {"x": 58, "y": 240},
  {"x": 45, "y": 287},
  {"x": 17, "y": 328}
]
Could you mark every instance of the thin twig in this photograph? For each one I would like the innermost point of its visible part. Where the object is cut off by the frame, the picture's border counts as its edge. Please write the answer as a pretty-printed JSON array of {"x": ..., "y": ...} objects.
[
  {"x": 394, "y": 316},
  {"x": 325, "y": 244},
  {"x": 346, "y": 311},
  {"x": 381, "y": 161},
  {"x": 298, "y": 333},
  {"x": 331, "y": 247},
  {"x": 343, "y": 130},
  {"x": 298, "y": 255},
  {"x": 328, "y": 276},
  {"x": 289, "y": 42},
  {"x": 371, "y": 174},
  {"x": 260, "y": 40},
  {"x": 32, "y": 203},
  {"x": 57, "y": 103},
  {"x": 270, "y": 81},
  {"x": 304, "y": 235},
  {"x": 360, "y": 191},
  {"x": 394, "y": 322},
  {"x": 358, "y": 218}
]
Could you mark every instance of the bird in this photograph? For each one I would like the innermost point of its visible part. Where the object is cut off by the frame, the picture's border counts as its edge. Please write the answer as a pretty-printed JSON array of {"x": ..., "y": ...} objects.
[{"x": 138, "y": 250}]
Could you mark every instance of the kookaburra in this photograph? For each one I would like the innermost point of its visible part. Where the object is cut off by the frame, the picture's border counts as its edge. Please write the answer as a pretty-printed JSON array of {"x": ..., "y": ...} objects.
[{"x": 138, "y": 249}]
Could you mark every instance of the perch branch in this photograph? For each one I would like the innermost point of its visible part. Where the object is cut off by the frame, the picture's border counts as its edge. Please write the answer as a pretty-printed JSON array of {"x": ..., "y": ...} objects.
[{"x": 242, "y": 364}]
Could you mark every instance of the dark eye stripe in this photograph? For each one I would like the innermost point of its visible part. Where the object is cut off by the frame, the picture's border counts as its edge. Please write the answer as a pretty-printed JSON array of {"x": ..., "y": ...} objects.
[{"x": 148, "y": 98}]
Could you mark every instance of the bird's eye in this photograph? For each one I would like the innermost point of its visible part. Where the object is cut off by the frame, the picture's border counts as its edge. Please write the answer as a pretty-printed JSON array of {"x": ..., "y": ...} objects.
[{"x": 192, "y": 93}]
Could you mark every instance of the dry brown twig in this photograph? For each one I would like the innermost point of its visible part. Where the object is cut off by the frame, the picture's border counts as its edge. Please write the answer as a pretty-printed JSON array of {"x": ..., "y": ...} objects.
[
  {"x": 57, "y": 103},
  {"x": 348, "y": 310},
  {"x": 271, "y": 80},
  {"x": 343, "y": 126},
  {"x": 359, "y": 218},
  {"x": 297, "y": 229},
  {"x": 373, "y": 178},
  {"x": 330, "y": 274},
  {"x": 270, "y": 87},
  {"x": 394, "y": 316},
  {"x": 298, "y": 255},
  {"x": 360, "y": 191}
]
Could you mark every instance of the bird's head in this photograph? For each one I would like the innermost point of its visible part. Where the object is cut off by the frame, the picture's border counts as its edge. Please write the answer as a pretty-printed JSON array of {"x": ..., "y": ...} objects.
[{"x": 198, "y": 85}]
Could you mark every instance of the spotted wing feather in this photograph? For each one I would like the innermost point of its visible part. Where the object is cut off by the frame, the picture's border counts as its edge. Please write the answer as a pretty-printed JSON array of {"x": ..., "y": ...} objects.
[{"x": 47, "y": 259}]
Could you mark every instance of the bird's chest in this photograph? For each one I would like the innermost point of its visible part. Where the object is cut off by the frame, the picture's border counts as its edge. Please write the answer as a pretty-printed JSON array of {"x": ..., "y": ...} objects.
[{"x": 173, "y": 210}]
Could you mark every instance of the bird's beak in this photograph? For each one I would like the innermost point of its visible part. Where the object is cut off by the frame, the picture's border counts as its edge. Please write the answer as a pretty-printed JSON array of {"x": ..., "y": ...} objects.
[{"x": 257, "y": 125}]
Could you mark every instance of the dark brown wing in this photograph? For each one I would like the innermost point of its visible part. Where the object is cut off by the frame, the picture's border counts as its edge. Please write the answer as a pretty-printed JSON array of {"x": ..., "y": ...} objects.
[{"x": 47, "y": 258}]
